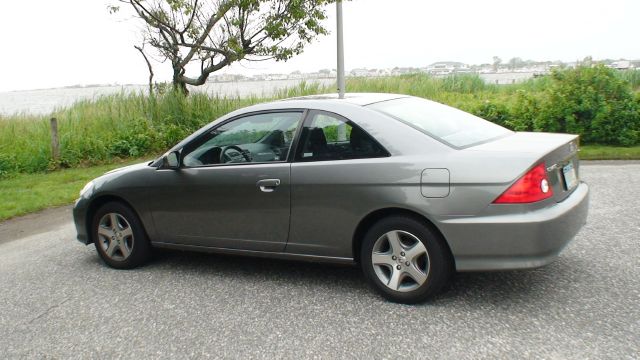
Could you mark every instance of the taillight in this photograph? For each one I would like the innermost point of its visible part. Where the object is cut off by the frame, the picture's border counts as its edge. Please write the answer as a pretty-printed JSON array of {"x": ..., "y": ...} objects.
[{"x": 531, "y": 187}]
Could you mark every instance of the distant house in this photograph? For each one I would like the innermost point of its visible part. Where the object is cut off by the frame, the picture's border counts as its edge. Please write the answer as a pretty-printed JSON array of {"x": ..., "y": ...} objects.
[
  {"x": 447, "y": 68},
  {"x": 359, "y": 72},
  {"x": 404, "y": 70},
  {"x": 621, "y": 65},
  {"x": 363, "y": 72}
]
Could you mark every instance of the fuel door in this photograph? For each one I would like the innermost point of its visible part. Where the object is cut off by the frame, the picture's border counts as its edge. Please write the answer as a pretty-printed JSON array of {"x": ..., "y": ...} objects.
[{"x": 434, "y": 183}]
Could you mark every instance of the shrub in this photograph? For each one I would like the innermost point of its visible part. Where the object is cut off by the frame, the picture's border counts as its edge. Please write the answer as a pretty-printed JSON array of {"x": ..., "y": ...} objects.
[
  {"x": 525, "y": 110},
  {"x": 495, "y": 112},
  {"x": 592, "y": 101}
]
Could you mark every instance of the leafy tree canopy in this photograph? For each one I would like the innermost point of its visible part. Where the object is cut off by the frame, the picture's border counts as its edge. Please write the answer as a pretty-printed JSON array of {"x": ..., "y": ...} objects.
[{"x": 215, "y": 33}]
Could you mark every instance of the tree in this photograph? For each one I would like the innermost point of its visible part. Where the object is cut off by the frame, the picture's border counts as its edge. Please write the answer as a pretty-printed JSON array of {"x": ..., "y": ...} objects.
[
  {"x": 200, "y": 37},
  {"x": 515, "y": 62},
  {"x": 496, "y": 63}
]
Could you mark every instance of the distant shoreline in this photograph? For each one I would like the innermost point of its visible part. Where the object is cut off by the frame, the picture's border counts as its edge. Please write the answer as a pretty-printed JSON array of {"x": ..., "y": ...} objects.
[{"x": 502, "y": 74}]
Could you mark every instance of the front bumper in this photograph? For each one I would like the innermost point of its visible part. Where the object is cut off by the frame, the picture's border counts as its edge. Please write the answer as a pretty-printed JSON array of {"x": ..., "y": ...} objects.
[
  {"x": 80, "y": 219},
  {"x": 516, "y": 241}
]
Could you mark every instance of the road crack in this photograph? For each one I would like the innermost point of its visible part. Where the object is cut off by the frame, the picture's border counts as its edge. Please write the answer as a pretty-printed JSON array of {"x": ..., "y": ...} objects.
[{"x": 51, "y": 308}]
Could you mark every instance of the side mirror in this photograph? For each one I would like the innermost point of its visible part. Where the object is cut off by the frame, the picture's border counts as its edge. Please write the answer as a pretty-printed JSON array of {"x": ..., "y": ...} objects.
[{"x": 171, "y": 161}]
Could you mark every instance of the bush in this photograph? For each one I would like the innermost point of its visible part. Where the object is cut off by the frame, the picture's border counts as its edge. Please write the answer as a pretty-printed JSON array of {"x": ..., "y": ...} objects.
[
  {"x": 525, "y": 111},
  {"x": 495, "y": 112},
  {"x": 592, "y": 101}
]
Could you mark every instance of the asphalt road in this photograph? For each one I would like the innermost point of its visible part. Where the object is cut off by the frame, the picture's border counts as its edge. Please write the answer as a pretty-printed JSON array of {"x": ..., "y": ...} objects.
[{"x": 57, "y": 299}]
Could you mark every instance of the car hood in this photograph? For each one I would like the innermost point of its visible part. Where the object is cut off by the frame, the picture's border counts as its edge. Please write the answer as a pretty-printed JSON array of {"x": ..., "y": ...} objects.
[{"x": 128, "y": 168}]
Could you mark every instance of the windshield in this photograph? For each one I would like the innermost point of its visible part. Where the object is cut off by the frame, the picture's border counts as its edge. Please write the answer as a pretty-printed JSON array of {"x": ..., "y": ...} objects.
[{"x": 449, "y": 125}]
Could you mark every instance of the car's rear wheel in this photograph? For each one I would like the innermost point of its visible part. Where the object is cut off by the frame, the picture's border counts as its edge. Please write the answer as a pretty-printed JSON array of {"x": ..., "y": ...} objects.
[
  {"x": 404, "y": 259},
  {"x": 119, "y": 236}
]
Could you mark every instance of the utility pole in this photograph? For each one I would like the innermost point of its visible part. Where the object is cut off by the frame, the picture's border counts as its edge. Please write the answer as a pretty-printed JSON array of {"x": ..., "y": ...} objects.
[{"x": 341, "y": 85}]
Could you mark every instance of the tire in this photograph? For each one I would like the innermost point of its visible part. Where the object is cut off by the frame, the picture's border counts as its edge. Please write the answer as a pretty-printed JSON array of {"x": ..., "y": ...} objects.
[
  {"x": 405, "y": 260},
  {"x": 119, "y": 236}
]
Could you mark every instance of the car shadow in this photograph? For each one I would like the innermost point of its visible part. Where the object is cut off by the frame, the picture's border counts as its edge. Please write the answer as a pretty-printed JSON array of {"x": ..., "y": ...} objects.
[
  {"x": 471, "y": 288},
  {"x": 247, "y": 268},
  {"x": 512, "y": 287}
]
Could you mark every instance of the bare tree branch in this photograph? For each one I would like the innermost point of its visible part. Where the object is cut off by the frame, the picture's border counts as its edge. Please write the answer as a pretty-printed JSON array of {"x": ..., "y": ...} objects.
[
  {"x": 148, "y": 66},
  {"x": 212, "y": 22}
]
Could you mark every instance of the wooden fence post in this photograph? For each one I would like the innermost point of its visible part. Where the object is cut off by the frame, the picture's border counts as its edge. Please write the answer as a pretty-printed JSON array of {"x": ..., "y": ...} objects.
[{"x": 55, "y": 143}]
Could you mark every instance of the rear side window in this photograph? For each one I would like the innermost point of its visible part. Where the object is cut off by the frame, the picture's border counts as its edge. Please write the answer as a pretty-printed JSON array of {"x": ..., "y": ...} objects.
[
  {"x": 328, "y": 136},
  {"x": 444, "y": 123}
]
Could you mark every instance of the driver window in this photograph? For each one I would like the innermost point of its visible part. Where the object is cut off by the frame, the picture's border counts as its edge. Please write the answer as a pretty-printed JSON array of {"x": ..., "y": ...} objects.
[{"x": 257, "y": 138}]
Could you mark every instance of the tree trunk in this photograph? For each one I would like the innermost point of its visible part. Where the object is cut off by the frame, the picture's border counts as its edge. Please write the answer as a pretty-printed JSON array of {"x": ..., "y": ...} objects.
[
  {"x": 180, "y": 87},
  {"x": 178, "y": 83}
]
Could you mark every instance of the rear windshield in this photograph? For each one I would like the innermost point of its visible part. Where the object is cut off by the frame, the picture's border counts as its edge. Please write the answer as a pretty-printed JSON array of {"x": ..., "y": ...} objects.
[{"x": 449, "y": 125}]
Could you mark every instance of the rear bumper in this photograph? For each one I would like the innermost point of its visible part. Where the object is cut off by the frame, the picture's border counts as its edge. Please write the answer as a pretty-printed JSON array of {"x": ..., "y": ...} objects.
[{"x": 516, "y": 241}]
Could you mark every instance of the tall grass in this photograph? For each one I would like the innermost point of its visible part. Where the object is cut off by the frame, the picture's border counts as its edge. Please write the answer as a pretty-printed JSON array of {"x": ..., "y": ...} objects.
[
  {"x": 133, "y": 124},
  {"x": 112, "y": 126},
  {"x": 632, "y": 76}
]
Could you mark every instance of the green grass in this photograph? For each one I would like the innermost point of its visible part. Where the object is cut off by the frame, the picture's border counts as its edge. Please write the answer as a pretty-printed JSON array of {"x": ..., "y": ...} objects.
[
  {"x": 97, "y": 131},
  {"x": 632, "y": 76},
  {"x": 26, "y": 193},
  {"x": 130, "y": 126},
  {"x": 599, "y": 152}
]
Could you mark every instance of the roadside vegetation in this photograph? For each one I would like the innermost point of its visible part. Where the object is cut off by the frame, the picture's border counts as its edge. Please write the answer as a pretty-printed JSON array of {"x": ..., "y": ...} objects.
[
  {"x": 600, "y": 104},
  {"x": 25, "y": 193}
]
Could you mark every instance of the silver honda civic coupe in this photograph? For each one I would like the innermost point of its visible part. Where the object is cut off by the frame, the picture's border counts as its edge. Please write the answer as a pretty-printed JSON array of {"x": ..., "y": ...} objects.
[{"x": 409, "y": 189}]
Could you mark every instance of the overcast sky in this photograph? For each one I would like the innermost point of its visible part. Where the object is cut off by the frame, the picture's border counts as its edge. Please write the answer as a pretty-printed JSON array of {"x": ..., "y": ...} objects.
[{"x": 58, "y": 43}]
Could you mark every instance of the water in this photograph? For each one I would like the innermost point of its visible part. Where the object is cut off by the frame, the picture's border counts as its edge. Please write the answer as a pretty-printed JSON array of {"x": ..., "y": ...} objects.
[{"x": 42, "y": 102}]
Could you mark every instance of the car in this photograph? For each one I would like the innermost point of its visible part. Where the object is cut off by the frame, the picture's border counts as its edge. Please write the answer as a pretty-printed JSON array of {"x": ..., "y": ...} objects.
[{"x": 408, "y": 189}]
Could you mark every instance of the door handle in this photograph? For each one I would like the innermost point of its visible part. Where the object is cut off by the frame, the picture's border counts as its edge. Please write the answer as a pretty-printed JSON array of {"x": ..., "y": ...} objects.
[{"x": 268, "y": 185}]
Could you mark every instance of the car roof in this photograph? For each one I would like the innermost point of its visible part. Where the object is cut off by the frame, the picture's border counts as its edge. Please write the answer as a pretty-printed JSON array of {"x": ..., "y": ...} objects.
[
  {"x": 361, "y": 99},
  {"x": 327, "y": 102}
]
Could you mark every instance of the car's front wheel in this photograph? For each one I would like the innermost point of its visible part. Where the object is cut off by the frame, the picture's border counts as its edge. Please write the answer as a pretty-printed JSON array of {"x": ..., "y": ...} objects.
[
  {"x": 119, "y": 236},
  {"x": 405, "y": 260}
]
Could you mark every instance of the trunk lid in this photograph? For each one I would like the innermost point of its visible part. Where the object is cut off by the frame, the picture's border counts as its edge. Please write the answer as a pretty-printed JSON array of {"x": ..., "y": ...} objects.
[{"x": 558, "y": 151}]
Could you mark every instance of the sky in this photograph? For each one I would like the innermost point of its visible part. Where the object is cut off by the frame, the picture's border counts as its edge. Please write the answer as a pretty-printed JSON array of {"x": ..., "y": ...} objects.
[{"x": 47, "y": 44}]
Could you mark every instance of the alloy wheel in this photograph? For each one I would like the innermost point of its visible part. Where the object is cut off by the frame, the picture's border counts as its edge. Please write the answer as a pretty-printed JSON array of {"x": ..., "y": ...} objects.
[
  {"x": 400, "y": 260},
  {"x": 115, "y": 236}
]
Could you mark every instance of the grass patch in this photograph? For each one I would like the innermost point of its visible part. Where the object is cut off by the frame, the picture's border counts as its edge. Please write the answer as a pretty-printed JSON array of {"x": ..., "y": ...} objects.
[
  {"x": 115, "y": 126},
  {"x": 25, "y": 193},
  {"x": 598, "y": 152},
  {"x": 597, "y": 103}
]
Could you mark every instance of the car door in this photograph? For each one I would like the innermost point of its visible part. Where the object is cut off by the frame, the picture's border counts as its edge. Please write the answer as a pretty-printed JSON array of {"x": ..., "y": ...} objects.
[
  {"x": 335, "y": 180},
  {"x": 233, "y": 187}
]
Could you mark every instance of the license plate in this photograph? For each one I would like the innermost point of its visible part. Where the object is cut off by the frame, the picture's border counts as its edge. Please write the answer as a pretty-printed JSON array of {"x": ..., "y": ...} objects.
[{"x": 570, "y": 178}]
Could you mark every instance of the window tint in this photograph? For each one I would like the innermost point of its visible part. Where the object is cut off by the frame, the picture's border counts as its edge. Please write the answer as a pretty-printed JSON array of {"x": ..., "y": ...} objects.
[
  {"x": 256, "y": 138},
  {"x": 447, "y": 124},
  {"x": 329, "y": 137}
]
